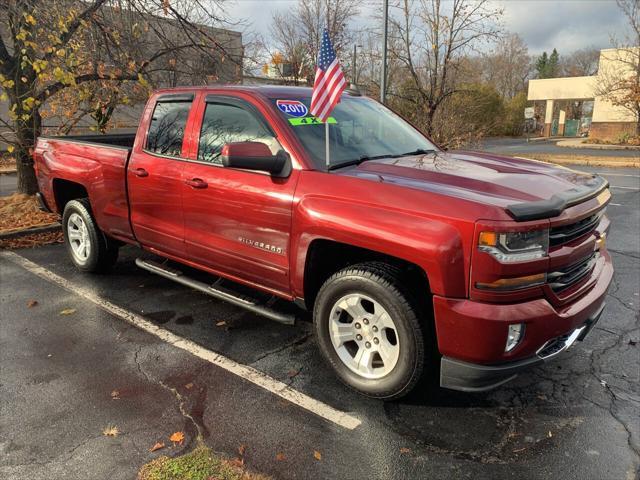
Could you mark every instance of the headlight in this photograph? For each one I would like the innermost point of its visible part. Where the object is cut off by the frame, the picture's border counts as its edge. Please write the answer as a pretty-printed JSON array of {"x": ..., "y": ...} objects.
[{"x": 515, "y": 246}]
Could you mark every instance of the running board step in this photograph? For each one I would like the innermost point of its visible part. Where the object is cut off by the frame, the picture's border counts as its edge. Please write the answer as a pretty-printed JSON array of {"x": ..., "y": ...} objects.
[{"x": 215, "y": 291}]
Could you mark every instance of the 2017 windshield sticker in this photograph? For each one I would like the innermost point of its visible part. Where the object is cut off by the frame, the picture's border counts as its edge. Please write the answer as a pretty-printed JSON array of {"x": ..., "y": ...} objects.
[
  {"x": 294, "y": 108},
  {"x": 296, "y": 122}
]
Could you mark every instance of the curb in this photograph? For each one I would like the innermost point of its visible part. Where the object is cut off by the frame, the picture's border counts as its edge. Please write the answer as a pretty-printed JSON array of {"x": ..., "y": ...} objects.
[
  {"x": 589, "y": 163},
  {"x": 596, "y": 146},
  {"x": 30, "y": 231},
  {"x": 541, "y": 139}
]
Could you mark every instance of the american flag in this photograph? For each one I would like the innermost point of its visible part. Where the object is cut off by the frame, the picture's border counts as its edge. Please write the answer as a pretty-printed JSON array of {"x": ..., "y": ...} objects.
[{"x": 329, "y": 83}]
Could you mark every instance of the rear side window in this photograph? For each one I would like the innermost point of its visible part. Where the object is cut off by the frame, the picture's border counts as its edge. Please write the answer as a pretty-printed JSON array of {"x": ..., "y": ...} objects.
[
  {"x": 166, "y": 131},
  {"x": 224, "y": 123}
]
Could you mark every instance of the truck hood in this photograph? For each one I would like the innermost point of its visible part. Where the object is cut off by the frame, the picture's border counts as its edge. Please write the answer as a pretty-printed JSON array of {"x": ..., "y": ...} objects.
[{"x": 527, "y": 189}]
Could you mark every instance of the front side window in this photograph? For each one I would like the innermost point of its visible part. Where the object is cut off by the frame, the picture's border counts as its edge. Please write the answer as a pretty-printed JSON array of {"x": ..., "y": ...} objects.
[
  {"x": 166, "y": 130},
  {"x": 225, "y": 123}
]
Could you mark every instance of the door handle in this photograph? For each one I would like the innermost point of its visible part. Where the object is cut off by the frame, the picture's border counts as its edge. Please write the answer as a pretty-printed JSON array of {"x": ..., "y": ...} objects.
[
  {"x": 196, "y": 183},
  {"x": 140, "y": 172}
]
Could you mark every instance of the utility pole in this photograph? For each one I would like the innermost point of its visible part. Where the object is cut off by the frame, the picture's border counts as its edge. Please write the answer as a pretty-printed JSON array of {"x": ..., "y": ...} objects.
[
  {"x": 383, "y": 78},
  {"x": 355, "y": 71}
]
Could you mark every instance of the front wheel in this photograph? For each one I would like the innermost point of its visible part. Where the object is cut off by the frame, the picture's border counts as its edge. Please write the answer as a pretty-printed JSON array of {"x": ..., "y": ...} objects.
[
  {"x": 368, "y": 331},
  {"x": 87, "y": 246}
]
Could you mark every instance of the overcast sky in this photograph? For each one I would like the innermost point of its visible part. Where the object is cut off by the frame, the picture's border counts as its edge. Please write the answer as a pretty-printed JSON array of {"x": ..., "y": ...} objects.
[{"x": 544, "y": 24}]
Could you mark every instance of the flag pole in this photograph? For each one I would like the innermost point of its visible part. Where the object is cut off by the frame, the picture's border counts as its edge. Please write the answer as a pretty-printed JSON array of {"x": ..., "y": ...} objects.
[{"x": 326, "y": 136}]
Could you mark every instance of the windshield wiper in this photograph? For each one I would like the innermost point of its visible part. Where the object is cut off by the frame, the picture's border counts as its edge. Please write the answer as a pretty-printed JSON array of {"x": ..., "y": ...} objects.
[
  {"x": 357, "y": 161},
  {"x": 418, "y": 151},
  {"x": 364, "y": 158}
]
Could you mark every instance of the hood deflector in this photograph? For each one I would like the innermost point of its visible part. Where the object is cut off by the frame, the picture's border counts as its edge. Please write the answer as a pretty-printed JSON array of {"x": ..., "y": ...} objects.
[{"x": 554, "y": 206}]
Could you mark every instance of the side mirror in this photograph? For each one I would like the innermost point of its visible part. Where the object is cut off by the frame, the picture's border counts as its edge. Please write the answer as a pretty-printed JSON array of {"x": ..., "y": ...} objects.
[{"x": 255, "y": 156}]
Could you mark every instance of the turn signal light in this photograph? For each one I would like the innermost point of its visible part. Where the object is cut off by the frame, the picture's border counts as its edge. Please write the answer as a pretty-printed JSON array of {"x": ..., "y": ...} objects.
[{"x": 516, "y": 283}]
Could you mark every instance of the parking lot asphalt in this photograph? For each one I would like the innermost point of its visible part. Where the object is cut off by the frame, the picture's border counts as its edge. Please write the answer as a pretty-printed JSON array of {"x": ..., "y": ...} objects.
[{"x": 574, "y": 418}]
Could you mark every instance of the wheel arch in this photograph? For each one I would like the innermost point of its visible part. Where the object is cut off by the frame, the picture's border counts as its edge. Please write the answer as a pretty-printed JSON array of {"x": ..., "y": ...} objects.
[
  {"x": 325, "y": 257},
  {"x": 66, "y": 190}
]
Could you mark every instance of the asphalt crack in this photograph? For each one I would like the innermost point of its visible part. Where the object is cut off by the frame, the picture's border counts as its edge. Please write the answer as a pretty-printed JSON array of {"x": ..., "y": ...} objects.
[
  {"x": 625, "y": 254},
  {"x": 181, "y": 400},
  {"x": 297, "y": 342}
]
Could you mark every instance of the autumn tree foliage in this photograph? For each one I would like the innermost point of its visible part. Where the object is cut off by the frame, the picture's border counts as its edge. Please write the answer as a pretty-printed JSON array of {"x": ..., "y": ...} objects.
[{"x": 88, "y": 56}]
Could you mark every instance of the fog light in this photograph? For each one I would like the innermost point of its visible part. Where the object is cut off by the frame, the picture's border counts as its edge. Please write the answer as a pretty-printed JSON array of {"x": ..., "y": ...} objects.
[{"x": 514, "y": 335}]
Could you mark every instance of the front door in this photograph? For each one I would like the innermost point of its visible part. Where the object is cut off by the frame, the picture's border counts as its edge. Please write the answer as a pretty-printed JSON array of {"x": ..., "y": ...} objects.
[
  {"x": 237, "y": 221},
  {"x": 155, "y": 178}
]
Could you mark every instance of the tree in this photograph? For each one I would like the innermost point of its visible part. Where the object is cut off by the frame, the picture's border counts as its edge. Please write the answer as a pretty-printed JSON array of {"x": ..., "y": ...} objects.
[
  {"x": 433, "y": 39},
  {"x": 297, "y": 34},
  {"x": 620, "y": 82},
  {"x": 291, "y": 58},
  {"x": 508, "y": 66},
  {"x": 581, "y": 63},
  {"x": 51, "y": 47},
  {"x": 548, "y": 66}
]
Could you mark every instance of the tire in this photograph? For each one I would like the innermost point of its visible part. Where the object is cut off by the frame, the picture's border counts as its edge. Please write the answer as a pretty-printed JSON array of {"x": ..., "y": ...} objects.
[
  {"x": 79, "y": 229},
  {"x": 378, "y": 290}
]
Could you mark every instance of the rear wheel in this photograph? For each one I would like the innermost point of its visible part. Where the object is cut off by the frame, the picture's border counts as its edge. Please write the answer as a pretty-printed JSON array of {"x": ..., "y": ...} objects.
[
  {"x": 368, "y": 331},
  {"x": 87, "y": 246}
]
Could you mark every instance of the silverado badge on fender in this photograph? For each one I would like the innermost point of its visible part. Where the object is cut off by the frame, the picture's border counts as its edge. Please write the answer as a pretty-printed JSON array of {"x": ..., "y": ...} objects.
[{"x": 261, "y": 245}]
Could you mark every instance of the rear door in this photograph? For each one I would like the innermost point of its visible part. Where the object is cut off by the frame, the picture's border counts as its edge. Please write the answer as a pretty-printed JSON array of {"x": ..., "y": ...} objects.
[
  {"x": 155, "y": 176},
  {"x": 237, "y": 221}
]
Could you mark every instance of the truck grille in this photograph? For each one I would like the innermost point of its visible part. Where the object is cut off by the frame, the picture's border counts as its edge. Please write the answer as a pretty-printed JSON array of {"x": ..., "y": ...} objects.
[
  {"x": 566, "y": 233},
  {"x": 562, "y": 279}
]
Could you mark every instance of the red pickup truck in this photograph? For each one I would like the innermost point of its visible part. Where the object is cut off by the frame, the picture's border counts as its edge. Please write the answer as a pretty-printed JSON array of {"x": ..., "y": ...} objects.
[{"x": 411, "y": 258}]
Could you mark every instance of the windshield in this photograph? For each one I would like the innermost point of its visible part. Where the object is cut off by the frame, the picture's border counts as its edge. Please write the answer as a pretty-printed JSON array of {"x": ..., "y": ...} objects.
[{"x": 359, "y": 129}]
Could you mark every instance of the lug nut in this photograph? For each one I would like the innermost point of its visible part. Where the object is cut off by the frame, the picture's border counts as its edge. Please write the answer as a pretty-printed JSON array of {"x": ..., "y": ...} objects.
[
  {"x": 365, "y": 321},
  {"x": 375, "y": 329},
  {"x": 358, "y": 337},
  {"x": 368, "y": 345},
  {"x": 376, "y": 341},
  {"x": 357, "y": 325}
]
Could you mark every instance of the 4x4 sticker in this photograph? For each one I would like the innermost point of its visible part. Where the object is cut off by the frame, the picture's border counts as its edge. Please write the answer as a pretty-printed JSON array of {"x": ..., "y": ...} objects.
[
  {"x": 309, "y": 121},
  {"x": 294, "y": 108}
]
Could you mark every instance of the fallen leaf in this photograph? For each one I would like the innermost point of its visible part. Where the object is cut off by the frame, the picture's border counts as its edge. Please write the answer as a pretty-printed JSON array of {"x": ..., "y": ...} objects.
[
  {"x": 177, "y": 437},
  {"x": 405, "y": 451},
  {"x": 238, "y": 462},
  {"x": 293, "y": 373},
  {"x": 68, "y": 311},
  {"x": 115, "y": 395},
  {"x": 280, "y": 457},
  {"x": 317, "y": 455},
  {"x": 241, "y": 449},
  {"x": 189, "y": 386},
  {"x": 157, "y": 446},
  {"x": 32, "y": 303},
  {"x": 221, "y": 323},
  {"x": 111, "y": 431}
]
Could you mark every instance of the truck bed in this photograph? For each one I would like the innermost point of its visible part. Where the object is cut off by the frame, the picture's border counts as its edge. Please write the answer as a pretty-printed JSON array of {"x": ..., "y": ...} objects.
[{"x": 96, "y": 163}]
